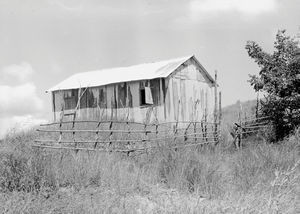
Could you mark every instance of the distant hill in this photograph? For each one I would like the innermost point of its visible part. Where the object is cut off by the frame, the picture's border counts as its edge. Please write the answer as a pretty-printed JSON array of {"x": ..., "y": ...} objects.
[{"x": 230, "y": 113}]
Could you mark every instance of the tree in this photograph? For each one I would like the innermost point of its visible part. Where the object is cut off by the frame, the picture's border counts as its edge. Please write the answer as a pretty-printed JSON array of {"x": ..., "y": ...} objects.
[{"x": 279, "y": 80}]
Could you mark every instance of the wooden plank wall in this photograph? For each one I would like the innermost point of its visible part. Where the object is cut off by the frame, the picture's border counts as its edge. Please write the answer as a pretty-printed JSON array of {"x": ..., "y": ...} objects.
[{"x": 190, "y": 96}]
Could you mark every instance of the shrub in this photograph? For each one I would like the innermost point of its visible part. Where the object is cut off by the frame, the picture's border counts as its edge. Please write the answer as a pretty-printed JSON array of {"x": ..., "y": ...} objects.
[{"x": 279, "y": 80}]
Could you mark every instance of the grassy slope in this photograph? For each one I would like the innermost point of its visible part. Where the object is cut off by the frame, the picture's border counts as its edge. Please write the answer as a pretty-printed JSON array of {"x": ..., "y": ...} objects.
[
  {"x": 260, "y": 178},
  {"x": 230, "y": 113},
  {"x": 230, "y": 116}
]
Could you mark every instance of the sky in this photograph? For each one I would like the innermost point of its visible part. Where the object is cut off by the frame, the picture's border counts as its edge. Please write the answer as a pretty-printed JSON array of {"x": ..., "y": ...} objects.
[{"x": 42, "y": 42}]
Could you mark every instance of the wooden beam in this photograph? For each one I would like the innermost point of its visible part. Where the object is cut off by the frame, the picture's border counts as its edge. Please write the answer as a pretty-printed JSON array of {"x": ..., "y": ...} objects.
[
  {"x": 220, "y": 108},
  {"x": 216, "y": 103}
]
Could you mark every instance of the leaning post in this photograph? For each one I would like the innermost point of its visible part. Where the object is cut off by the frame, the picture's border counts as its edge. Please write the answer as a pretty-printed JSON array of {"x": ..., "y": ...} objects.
[
  {"x": 216, "y": 108},
  {"x": 220, "y": 110},
  {"x": 240, "y": 131}
]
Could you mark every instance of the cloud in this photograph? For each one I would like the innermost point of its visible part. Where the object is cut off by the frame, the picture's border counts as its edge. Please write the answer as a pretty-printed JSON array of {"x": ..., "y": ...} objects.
[
  {"x": 74, "y": 7},
  {"x": 247, "y": 7},
  {"x": 18, "y": 123},
  {"x": 19, "y": 100},
  {"x": 20, "y": 73}
]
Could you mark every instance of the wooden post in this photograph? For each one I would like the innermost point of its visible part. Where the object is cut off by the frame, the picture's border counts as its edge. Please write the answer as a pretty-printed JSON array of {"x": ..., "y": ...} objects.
[
  {"x": 257, "y": 105},
  {"x": 146, "y": 135},
  {"x": 60, "y": 123},
  {"x": 128, "y": 134},
  {"x": 216, "y": 106},
  {"x": 205, "y": 122},
  {"x": 203, "y": 131},
  {"x": 195, "y": 131},
  {"x": 156, "y": 129},
  {"x": 175, "y": 131},
  {"x": 111, "y": 133},
  {"x": 240, "y": 131},
  {"x": 156, "y": 134},
  {"x": 186, "y": 132},
  {"x": 73, "y": 133},
  {"x": 97, "y": 134},
  {"x": 220, "y": 108},
  {"x": 53, "y": 105}
]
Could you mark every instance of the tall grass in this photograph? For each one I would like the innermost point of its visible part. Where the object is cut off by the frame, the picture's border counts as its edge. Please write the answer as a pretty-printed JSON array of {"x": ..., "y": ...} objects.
[{"x": 260, "y": 178}]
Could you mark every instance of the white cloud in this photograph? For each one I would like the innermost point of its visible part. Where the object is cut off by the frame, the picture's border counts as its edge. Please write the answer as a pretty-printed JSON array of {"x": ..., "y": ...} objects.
[
  {"x": 19, "y": 100},
  {"x": 247, "y": 7},
  {"x": 66, "y": 5},
  {"x": 18, "y": 123},
  {"x": 18, "y": 73}
]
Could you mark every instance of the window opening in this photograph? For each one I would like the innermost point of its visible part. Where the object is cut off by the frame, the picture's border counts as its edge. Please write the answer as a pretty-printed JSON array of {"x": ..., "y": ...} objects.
[
  {"x": 70, "y": 98},
  {"x": 146, "y": 96}
]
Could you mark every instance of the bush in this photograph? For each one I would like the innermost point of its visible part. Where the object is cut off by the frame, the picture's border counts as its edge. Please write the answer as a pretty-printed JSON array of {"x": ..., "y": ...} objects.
[{"x": 279, "y": 80}]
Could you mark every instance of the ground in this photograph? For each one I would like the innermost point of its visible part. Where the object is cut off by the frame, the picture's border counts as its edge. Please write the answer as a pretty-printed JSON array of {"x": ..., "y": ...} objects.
[{"x": 259, "y": 178}]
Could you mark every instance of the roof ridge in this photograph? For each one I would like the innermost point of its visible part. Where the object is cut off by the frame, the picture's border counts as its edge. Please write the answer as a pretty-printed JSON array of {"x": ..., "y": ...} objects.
[
  {"x": 105, "y": 76},
  {"x": 144, "y": 63}
]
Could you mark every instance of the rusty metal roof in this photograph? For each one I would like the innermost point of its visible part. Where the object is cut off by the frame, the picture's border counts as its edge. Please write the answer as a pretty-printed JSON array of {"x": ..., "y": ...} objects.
[{"x": 107, "y": 76}]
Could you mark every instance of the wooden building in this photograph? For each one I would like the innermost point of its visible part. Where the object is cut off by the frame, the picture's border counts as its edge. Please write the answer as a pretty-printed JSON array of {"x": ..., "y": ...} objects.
[{"x": 173, "y": 90}]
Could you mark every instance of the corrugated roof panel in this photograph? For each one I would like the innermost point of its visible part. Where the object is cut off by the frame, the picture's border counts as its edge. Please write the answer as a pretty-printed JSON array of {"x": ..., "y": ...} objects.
[{"x": 122, "y": 74}]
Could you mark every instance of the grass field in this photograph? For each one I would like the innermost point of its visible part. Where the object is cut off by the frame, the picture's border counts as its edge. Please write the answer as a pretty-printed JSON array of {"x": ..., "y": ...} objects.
[{"x": 260, "y": 178}]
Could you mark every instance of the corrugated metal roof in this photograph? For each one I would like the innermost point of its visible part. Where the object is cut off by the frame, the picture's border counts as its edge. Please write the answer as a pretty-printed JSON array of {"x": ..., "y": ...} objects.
[{"x": 144, "y": 71}]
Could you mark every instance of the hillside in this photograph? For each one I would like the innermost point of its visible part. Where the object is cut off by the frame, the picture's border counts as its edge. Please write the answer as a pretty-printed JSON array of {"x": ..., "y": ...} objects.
[
  {"x": 230, "y": 113},
  {"x": 260, "y": 178}
]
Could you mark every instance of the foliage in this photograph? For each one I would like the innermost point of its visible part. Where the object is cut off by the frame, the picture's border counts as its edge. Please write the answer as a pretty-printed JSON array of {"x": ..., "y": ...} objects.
[{"x": 279, "y": 80}]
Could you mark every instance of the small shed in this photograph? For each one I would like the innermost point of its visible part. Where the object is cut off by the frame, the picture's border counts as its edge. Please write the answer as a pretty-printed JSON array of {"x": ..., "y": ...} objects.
[{"x": 173, "y": 90}]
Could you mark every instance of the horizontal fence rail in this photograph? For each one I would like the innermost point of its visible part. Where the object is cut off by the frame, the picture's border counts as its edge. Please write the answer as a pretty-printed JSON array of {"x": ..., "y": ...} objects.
[
  {"x": 248, "y": 127},
  {"x": 125, "y": 136}
]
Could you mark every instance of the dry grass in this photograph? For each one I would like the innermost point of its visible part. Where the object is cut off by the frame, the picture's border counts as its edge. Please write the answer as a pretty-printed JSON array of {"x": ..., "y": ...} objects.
[{"x": 259, "y": 178}]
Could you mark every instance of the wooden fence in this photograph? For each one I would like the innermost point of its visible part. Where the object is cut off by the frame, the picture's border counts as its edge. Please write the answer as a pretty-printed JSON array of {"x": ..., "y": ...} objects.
[
  {"x": 249, "y": 127},
  {"x": 124, "y": 136}
]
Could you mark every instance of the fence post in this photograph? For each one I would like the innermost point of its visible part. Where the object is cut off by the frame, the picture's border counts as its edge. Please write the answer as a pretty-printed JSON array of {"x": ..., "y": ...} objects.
[
  {"x": 60, "y": 123},
  {"x": 195, "y": 131},
  {"x": 175, "y": 131},
  {"x": 186, "y": 131},
  {"x": 156, "y": 129},
  {"x": 202, "y": 130},
  {"x": 73, "y": 133},
  {"x": 220, "y": 108},
  {"x": 257, "y": 105},
  {"x": 156, "y": 132},
  {"x": 240, "y": 130},
  {"x": 205, "y": 125},
  {"x": 128, "y": 134},
  {"x": 220, "y": 115},
  {"x": 146, "y": 135},
  {"x": 97, "y": 134},
  {"x": 111, "y": 133},
  {"x": 216, "y": 108}
]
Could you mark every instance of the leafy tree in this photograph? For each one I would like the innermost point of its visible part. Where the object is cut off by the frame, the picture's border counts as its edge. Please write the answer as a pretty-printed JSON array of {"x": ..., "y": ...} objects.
[{"x": 279, "y": 80}]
